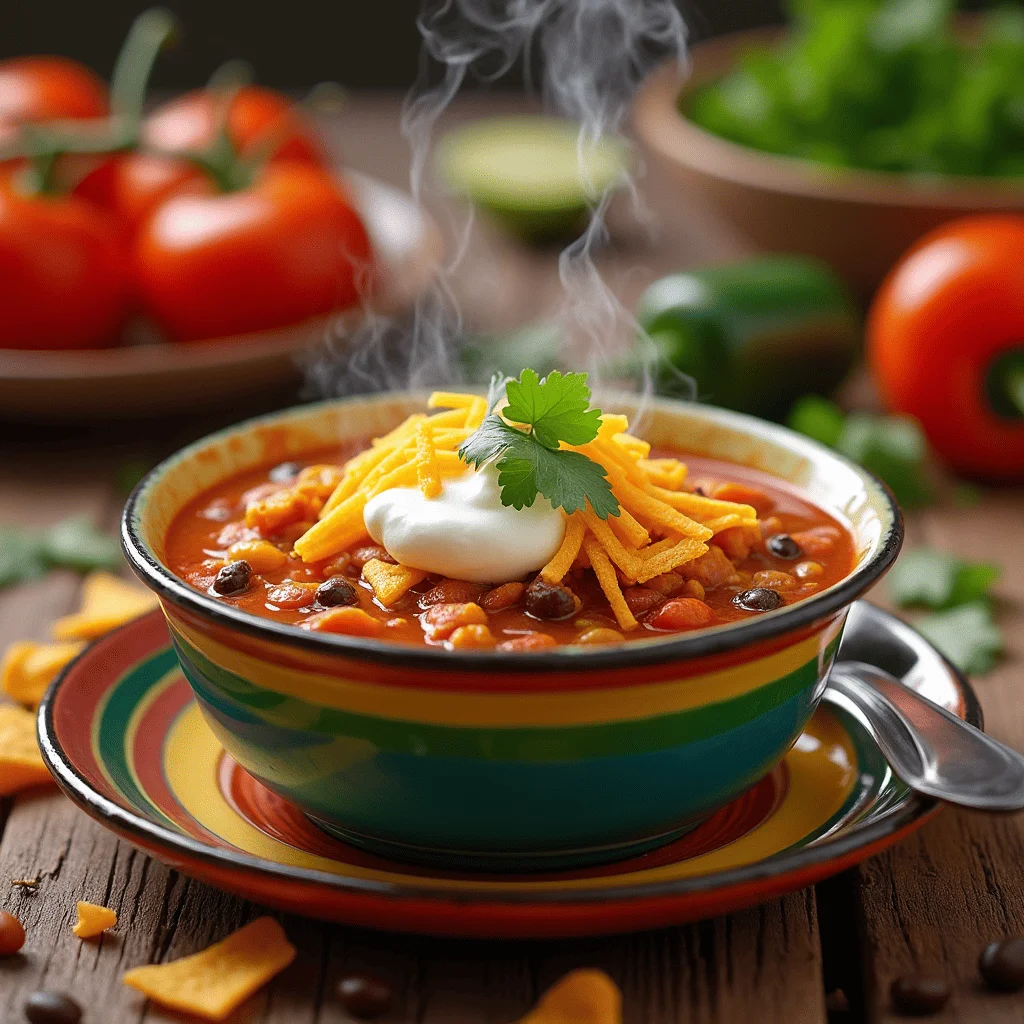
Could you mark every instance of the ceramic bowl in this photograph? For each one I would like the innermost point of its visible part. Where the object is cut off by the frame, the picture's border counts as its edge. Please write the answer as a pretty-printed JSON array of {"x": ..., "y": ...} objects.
[
  {"x": 495, "y": 760},
  {"x": 858, "y": 221}
]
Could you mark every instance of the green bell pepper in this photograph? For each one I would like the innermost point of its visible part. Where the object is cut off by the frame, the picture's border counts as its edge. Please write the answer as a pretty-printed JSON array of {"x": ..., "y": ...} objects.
[{"x": 754, "y": 335}]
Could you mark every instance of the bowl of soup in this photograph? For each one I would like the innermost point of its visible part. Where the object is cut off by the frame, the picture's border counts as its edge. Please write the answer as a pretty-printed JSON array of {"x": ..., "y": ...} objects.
[{"x": 434, "y": 676}]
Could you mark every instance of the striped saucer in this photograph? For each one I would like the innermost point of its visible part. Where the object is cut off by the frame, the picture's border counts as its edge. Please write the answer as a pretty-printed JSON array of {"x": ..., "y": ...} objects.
[{"x": 127, "y": 742}]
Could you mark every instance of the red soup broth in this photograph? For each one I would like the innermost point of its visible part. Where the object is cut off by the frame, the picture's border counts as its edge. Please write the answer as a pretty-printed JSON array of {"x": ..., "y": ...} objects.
[{"x": 198, "y": 540}]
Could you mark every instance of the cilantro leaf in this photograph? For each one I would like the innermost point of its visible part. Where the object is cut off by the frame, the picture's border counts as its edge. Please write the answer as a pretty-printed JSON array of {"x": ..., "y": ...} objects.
[
  {"x": 496, "y": 389},
  {"x": 491, "y": 439},
  {"x": 557, "y": 407},
  {"x": 937, "y": 579},
  {"x": 72, "y": 544},
  {"x": 892, "y": 447},
  {"x": 567, "y": 479},
  {"x": 77, "y": 544},
  {"x": 20, "y": 556},
  {"x": 818, "y": 418},
  {"x": 968, "y": 636},
  {"x": 529, "y": 461}
]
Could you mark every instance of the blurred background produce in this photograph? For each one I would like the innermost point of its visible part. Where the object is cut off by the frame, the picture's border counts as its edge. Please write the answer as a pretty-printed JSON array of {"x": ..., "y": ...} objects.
[
  {"x": 890, "y": 85},
  {"x": 532, "y": 174},
  {"x": 215, "y": 215},
  {"x": 754, "y": 335}
]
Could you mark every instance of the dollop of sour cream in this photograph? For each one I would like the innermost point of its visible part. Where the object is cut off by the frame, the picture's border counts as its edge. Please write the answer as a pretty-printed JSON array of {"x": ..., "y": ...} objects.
[{"x": 465, "y": 533}]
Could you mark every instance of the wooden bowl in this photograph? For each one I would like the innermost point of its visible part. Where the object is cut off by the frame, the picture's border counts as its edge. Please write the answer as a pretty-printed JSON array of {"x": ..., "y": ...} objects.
[
  {"x": 858, "y": 221},
  {"x": 160, "y": 378}
]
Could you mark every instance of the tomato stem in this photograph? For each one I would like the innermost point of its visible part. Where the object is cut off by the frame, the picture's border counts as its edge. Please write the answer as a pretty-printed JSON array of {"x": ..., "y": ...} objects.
[
  {"x": 1015, "y": 388},
  {"x": 150, "y": 33},
  {"x": 43, "y": 143},
  {"x": 1004, "y": 385}
]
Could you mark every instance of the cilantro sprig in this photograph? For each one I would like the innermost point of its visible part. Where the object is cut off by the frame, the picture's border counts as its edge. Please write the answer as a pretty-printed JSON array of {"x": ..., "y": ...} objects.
[
  {"x": 70, "y": 544},
  {"x": 962, "y": 624},
  {"x": 529, "y": 458}
]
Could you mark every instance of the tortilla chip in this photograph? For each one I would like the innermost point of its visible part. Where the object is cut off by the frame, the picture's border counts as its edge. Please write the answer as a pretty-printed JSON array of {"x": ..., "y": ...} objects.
[
  {"x": 93, "y": 920},
  {"x": 28, "y": 668},
  {"x": 107, "y": 602},
  {"x": 211, "y": 984},
  {"x": 21, "y": 764},
  {"x": 391, "y": 582},
  {"x": 581, "y": 997}
]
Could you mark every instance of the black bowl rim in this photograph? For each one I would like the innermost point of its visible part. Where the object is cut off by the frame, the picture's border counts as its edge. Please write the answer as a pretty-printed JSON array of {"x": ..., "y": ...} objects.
[{"x": 651, "y": 651}]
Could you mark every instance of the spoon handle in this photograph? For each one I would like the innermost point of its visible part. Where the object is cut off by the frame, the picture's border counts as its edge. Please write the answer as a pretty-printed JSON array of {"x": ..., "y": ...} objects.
[{"x": 929, "y": 748}]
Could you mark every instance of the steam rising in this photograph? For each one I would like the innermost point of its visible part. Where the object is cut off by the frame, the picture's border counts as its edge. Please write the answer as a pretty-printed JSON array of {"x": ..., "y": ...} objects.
[{"x": 588, "y": 58}]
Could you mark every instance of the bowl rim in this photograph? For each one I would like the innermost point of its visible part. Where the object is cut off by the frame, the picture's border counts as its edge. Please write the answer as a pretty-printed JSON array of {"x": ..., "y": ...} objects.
[
  {"x": 715, "y": 640},
  {"x": 663, "y": 127}
]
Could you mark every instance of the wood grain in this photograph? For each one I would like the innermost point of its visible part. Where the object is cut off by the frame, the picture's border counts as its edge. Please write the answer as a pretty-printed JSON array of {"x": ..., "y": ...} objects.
[{"x": 932, "y": 903}]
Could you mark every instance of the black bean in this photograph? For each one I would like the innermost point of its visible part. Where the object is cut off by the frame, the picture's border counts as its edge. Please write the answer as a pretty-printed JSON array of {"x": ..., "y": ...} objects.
[
  {"x": 335, "y": 592},
  {"x": 760, "y": 599},
  {"x": 364, "y": 996},
  {"x": 233, "y": 579},
  {"x": 285, "y": 472},
  {"x": 781, "y": 545},
  {"x": 550, "y": 601},
  {"x": 1002, "y": 965},
  {"x": 52, "y": 1008},
  {"x": 918, "y": 995}
]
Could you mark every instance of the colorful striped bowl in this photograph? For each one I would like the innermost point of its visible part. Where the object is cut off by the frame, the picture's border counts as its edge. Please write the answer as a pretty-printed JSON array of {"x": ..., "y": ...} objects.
[{"x": 508, "y": 761}]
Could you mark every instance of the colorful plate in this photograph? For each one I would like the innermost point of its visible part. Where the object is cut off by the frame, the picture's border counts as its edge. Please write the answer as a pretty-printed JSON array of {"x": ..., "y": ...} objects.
[{"x": 126, "y": 741}]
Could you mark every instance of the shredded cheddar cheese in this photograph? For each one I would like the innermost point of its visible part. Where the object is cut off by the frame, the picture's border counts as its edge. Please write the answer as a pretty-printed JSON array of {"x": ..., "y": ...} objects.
[{"x": 659, "y": 528}]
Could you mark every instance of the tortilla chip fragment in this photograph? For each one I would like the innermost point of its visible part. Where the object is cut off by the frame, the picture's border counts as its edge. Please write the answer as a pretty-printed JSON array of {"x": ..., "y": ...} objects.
[
  {"x": 581, "y": 997},
  {"x": 93, "y": 920},
  {"x": 21, "y": 764},
  {"x": 107, "y": 602},
  {"x": 28, "y": 668},
  {"x": 391, "y": 582},
  {"x": 211, "y": 984}
]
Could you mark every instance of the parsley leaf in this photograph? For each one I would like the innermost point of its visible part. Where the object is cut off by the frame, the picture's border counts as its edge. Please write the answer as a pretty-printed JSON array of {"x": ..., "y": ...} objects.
[
  {"x": 558, "y": 408},
  {"x": 966, "y": 635},
  {"x": 529, "y": 461}
]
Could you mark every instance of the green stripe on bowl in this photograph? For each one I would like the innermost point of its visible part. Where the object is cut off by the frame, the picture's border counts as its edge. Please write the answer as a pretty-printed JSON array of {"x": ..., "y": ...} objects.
[{"x": 246, "y": 706}]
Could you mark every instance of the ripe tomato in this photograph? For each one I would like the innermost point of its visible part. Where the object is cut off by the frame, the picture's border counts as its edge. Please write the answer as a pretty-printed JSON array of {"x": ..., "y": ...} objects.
[
  {"x": 289, "y": 247},
  {"x": 946, "y": 337},
  {"x": 135, "y": 184},
  {"x": 131, "y": 186},
  {"x": 64, "y": 272},
  {"x": 256, "y": 117},
  {"x": 46, "y": 89}
]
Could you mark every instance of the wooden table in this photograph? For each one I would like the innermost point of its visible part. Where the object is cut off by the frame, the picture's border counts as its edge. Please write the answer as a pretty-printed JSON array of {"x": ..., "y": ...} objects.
[{"x": 930, "y": 903}]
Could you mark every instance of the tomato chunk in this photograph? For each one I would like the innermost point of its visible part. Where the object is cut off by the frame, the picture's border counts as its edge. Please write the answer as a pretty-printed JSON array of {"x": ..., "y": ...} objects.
[
  {"x": 440, "y": 621},
  {"x": 683, "y": 613}
]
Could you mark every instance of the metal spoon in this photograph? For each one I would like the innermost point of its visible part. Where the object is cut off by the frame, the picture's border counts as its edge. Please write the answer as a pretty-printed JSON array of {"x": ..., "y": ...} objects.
[{"x": 928, "y": 747}]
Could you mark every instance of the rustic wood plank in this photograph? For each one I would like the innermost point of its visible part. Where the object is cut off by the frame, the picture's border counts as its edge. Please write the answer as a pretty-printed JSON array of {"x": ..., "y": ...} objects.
[{"x": 934, "y": 901}]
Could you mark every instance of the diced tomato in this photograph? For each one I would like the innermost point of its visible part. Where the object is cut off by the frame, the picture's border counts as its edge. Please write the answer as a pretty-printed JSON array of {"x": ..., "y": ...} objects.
[{"x": 683, "y": 613}]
